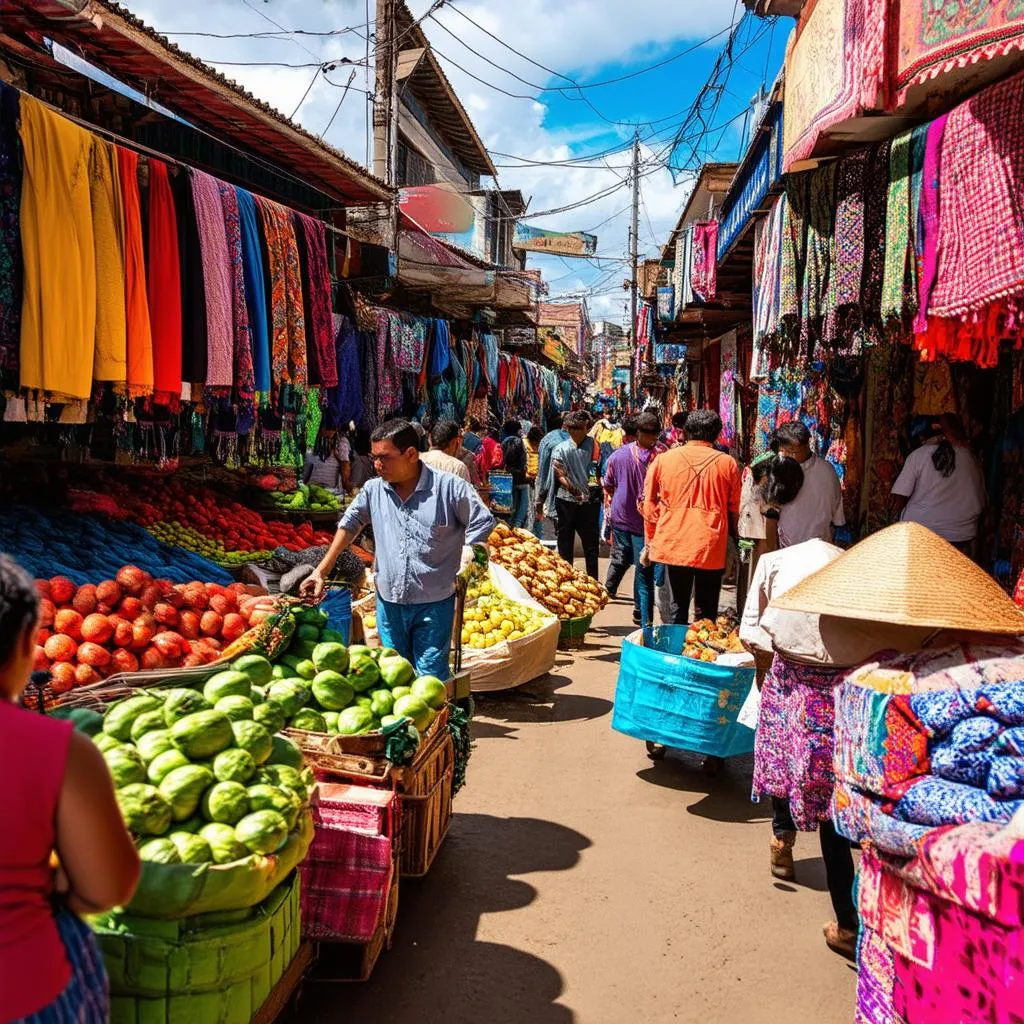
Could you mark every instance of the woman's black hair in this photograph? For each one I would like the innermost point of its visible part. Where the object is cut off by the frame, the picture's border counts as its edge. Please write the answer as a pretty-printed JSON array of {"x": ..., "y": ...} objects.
[
  {"x": 19, "y": 605},
  {"x": 781, "y": 482},
  {"x": 944, "y": 457},
  {"x": 535, "y": 435}
]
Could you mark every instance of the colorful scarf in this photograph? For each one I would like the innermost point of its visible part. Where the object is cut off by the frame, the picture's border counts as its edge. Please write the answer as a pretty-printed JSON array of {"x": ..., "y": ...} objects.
[
  {"x": 846, "y": 278},
  {"x": 319, "y": 276},
  {"x": 110, "y": 359},
  {"x": 140, "y": 331},
  {"x": 255, "y": 289},
  {"x": 705, "y": 260},
  {"x": 164, "y": 282},
  {"x": 389, "y": 377},
  {"x": 10, "y": 238},
  {"x": 928, "y": 220},
  {"x": 217, "y": 279},
  {"x": 820, "y": 251},
  {"x": 244, "y": 375},
  {"x": 897, "y": 230},
  {"x": 876, "y": 194}
]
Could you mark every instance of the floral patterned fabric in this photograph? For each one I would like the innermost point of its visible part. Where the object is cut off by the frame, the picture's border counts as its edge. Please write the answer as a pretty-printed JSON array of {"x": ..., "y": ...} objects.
[{"x": 245, "y": 375}]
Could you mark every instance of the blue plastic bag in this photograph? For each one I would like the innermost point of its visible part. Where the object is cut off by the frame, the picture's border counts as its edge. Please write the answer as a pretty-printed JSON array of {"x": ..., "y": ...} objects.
[{"x": 666, "y": 698}]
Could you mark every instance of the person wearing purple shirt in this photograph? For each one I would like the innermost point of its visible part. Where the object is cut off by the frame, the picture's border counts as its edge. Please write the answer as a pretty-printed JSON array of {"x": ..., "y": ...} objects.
[{"x": 624, "y": 484}]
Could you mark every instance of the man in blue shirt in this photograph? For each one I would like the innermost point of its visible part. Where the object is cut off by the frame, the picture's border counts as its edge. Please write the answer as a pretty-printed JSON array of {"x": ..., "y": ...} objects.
[
  {"x": 554, "y": 437},
  {"x": 421, "y": 520},
  {"x": 575, "y": 497}
]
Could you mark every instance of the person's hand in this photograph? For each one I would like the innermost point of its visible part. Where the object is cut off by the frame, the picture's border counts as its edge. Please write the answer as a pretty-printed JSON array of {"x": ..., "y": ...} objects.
[
  {"x": 645, "y": 557},
  {"x": 312, "y": 588},
  {"x": 539, "y": 511}
]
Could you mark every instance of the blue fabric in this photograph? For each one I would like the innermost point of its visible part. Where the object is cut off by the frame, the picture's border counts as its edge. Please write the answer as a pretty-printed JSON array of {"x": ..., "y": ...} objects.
[
  {"x": 520, "y": 506},
  {"x": 970, "y": 768},
  {"x": 643, "y": 577},
  {"x": 420, "y": 632},
  {"x": 85, "y": 1000},
  {"x": 974, "y": 734},
  {"x": 1006, "y": 779},
  {"x": 940, "y": 710},
  {"x": 419, "y": 542},
  {"x": 440, "y": 350},
  {"x": 1004, "y": 701},
  {"x": 933, "y": 801},
  {"x": 255, "y": 288},
  {"x": 345, "y": 401},
  {"x": 1010, "y": 741},
  {"x": 471, "y": 442},
  {"x": 547, "y": 445}
]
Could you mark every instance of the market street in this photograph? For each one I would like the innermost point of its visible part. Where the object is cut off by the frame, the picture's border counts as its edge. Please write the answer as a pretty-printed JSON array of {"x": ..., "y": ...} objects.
[{"x": 580, "y": 882}]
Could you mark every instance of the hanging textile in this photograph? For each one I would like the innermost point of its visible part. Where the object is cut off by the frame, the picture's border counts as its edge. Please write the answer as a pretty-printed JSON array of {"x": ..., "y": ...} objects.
[
  {"x": 58, "y": 312},
  {"x": 388, "y": 400},
  {"x": 705, "y": 260},
  {"x": 193, "y": 287},
  {"x": 928, "y": 220},
  {"x": 368, "y": 375},
  {"x": 345, "y": 400},
  {"x": 217, "y": 282},
  {"x": 242, "y": 365},
  {"x": 820, "y": 251},
  {"x": 842, "y": 313},
  {"x": 255, "y": 289},
  {"x": 767, "y": 283},
  {"x": 164, "y": 280},
  {"x": 10, "y": 238},
  {"x": 727, "y": 398},
  {"x": 140, "y": 331},
  {"x": 288, "y": 330},
  {"x": 408, "y": 342},
  {"x": 876, "y": 194},
  {"x": 897, "y": 230},
  {"x": 318, "y": 328},
  {"x": 110, "y": 358}
]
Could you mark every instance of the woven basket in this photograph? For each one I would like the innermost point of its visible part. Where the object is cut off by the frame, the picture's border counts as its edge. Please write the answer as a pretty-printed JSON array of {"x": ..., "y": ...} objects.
[{"x": 573, "y": 632}]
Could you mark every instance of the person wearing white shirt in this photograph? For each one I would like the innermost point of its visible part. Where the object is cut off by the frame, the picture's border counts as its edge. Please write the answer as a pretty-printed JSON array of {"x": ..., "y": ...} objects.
[
  {"x": 941, "y": 484},
  {"x": 818, "y": 508},
  {"x": 445, "y": 443}
]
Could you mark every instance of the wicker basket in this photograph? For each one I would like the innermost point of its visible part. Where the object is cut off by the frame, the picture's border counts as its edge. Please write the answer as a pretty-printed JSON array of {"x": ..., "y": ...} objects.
[{"x": 573, "y": 633}]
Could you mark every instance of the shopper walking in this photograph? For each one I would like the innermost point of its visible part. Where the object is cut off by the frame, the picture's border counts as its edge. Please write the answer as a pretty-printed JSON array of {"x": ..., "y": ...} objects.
[
  {"x": 421, "y": 521},
  {"x": 575, "y": 500},
  {"x": 513, "y": 453},
  {"x": 445, "y": 444},
  {"x": 817, "y": 511},
  {"x": 691, "y": 504},
  {"x": 57, "y": 796},
  {"x": 554, "y": 437}
]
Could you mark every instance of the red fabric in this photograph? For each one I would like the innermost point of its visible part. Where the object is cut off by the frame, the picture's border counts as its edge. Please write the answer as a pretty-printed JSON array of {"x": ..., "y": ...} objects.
[
  {"x": 315, "y": 239},
  {"x": 1018, "y": 592},
  {"x": 164, "y": 286},
  {"x": 704, "y": 272},
  {"x": 140, "y": 332},
  {"x": 33, "y": 966},
  {"x": 712, "y": 360},
  {"x": 490, "y": 456}
]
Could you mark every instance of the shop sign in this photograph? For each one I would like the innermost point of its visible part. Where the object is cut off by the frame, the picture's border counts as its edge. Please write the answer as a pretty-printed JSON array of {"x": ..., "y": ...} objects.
[
  {"x": 666, "y": 303},
  {"x": 562, "y": 243}
]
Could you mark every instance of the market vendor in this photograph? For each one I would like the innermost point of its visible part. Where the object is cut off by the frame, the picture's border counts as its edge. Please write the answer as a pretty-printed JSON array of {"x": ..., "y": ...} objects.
[{"x": 421, "y": 521}]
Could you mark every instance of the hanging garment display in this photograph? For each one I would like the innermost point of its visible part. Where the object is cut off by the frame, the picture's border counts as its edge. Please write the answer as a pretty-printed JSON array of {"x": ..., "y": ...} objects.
[
  {"x": 164, "y": 285},
  {"x": 10, "y": 238},
  {"x": 242, "y": 365},
  {"x": 705, "y": 260},
  {"x": 319, "y": 326},
  {"x": 255, "y": 289},
  {"x": 193, "y": 288},
  {"x": 110, "y": 358},
  {"x": 140, "y": 332}
]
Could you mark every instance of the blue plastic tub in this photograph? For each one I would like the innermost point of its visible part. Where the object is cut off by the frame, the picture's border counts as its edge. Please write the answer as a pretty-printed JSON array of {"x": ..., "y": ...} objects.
[
  {"x": 665, "y": 698},
  {"x": 338, "y": 606}
]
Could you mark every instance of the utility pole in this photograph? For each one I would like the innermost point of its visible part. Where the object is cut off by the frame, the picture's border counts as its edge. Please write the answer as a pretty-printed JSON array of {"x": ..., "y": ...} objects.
[
  {"x": 633, "y": 232},
  {"x": 386, "y": 66}
]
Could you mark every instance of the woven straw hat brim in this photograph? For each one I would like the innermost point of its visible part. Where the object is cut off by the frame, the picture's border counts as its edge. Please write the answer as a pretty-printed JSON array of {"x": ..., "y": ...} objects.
[{"x": 908, "y": 576}]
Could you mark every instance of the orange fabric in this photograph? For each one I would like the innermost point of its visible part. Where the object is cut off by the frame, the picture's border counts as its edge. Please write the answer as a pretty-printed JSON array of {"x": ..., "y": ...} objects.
[
  {"x": 688, "y": 497},
  {"x": 140, "y": 333}
]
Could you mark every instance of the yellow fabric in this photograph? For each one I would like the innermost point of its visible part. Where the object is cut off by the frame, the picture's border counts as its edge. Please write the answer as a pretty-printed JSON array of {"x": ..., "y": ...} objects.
[
  {"x": 58, "y": 321},
  {"x": 110, "y": 361}
]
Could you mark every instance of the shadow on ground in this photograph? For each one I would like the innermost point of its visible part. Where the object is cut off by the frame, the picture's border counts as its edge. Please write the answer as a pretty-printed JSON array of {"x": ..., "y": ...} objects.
[
  {"x": 540, "y": 701},
  {"x": 444, "y": 972}
]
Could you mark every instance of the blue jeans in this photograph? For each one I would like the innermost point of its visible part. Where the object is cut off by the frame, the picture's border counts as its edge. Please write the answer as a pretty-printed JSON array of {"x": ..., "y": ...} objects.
[
  {"x": 420, "y": 632},
  {"x": 628, "y": 547},
  {"x": 520, "y": 506}
]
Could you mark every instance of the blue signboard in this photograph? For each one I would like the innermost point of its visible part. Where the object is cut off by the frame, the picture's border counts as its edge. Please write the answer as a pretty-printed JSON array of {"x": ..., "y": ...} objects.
[{"x": 667, "y": 303}]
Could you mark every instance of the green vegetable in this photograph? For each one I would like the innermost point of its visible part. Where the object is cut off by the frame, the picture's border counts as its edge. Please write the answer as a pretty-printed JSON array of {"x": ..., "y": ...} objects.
[
  {"x": 308, "y": 631},
  {"x": 126, "y": 766},
  {"x": 85, "y": 720},
  {"x": 226, "y": 802},
  {"x": 263, "y": 797},
  {"x": 383, "y": 652},
  {"x": 105, "y": 741},
  {"x": 415, "y": 708},
  {"x": 119, "y": 719},
  {"x": 150, "y": 721},
  {"x": 310, "y": 720},
  {"x": 236, "y": 707},
  {"x": 401, "y": 691},
  {"x": 431, "y": 691},
  {"x": 184, "y": 787},
  {"x": 285, "y": 752},
  {"x": 284, "y": 777},
  {"x": 332, "y": 690},
  {"x": 330, "y": 657},
  {"x": 192, "y": 849},
  {"x": 331, "y": 636},
  {"x": 331, "y": 720},
  {"x": 145, "y": 811},
  {"x": 291, "y": 694},
  {"x": 271, "y": 715},
  {"x": 381, "y": 702},
  {"x": 302, "y": 649},
  {"x": 363, "y": 673},
  {"x": 364, "y": 700},
  {"x": 358, "y": 650},
  {"x": 254, "y": 739},
  {"x": 203, "y": 734},
  {"x": 396, "y": 671},
  {"x": 160, "y": 851},
  {"x": 234, "y": 765},
  {"x": 305, "y": 669},
  {"x": 256, "y": 667},
  {"x": 227, "y": 684},
  {"x": 163, "y": 764},
  {"x": 224, "y": 846},
  {"x": 154, "y": 743},
  {"x": 193, "y": 824},
  {"x": 354, "y": 720},
  {"x": 281, "y": 671},
  {"x": 182, "y": 702},
  {"x": 262, "y": 831}
]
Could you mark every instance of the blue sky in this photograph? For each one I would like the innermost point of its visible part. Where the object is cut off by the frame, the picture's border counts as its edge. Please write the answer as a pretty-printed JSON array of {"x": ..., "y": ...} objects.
[{"x": 588, "y": 41}]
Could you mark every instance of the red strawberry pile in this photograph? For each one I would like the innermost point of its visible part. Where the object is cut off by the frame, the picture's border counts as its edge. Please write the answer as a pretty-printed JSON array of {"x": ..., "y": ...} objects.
[{"x": 135, "y": 622}]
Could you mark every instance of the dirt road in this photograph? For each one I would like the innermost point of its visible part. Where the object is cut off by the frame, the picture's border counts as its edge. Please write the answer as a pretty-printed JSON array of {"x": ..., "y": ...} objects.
[{"x": 582, "y": 883}]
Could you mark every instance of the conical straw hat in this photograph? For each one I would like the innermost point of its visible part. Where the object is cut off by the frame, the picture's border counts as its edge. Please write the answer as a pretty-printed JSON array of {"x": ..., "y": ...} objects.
[{"x": 909, "y": 576}]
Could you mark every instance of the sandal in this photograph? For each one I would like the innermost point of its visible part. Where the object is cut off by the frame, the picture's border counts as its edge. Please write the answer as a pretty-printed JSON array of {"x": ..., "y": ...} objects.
[{"x": 841, "y": 940}]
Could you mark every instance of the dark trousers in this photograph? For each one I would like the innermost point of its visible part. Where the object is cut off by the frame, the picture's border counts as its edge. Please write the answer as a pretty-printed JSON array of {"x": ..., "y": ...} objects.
[
  {"x": 626, "y": 550},
  {"x": 838, "y": 858},
  {"x": 574, "y": 519},
  {"x": 704, "y": 584},
  {"x": 619, "y": 561}
]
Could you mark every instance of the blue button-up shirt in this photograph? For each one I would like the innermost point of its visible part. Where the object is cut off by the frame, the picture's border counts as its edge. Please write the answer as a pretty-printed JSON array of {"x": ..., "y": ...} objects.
[
  {"x": 548, "y": 443},
  {"x": 419, "y": 541}
]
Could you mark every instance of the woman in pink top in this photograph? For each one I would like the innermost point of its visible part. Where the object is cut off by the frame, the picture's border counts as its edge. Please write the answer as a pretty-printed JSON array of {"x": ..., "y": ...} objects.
[{"x": 57, "y": 796}]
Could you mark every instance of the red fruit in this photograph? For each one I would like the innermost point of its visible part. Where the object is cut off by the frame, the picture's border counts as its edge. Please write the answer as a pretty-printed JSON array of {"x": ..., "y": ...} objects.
[
  {"x": 195, "y": 596},
  {"x": 124, "y": 661},
  {"x": 175, "y": 598},
  {"x": 165, "y": 614},
  {"x": 213, "y": 588},
  {"x": 211, "y": 624},
  {"x": 133, "y": 579},
  {"x": 86, "y": 675},
  {"x": 188, "y": 624},
  {"x": 220, "y": 604},
  {"x": 47, "y": 611},
  {"x": 93, "y": 654},
  {"x": 109, "y": 592},
  {"x": 62, "y": 590},
  {"x": 193, "y": 661},
  {"x": 234, "y": 626},
  {"x": 68, "y": 622},
  {"x": 171, "y": 645},
  {"x": 97, "y": 628},
  {"x": 213, "y": 644},
  {"x": 42, "y": 635},
  {"x": 124, "y": 634},
  {"x": 40, "y": 662},
  {"x": 62, "y": 677},
  {"x": 150, "y": 595},
  {"x": 142, "y": 634},
  {"x": 60, "y": 647},
  {"x": 152, "y": 658},
  {"x": 84, "y": 601},
  {"x": 131, "y": 608},
  {"x": 43, "y": 588}
]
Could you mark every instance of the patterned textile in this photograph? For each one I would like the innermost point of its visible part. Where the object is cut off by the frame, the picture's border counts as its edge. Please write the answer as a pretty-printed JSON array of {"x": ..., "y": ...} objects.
[
  {"x": 820, "y": 252},
  {"x": 794, "y": 745},
  {"x": 862, "y": 820},
  {"x": 345, "y": 401},
  {"x": 767, "y": 286},
  {"x": 705, "y": 260},
  {"x": 932, "y": 801},
  {"x": 1005, "y": 703},
  {"x": 255, "y": 289},
  {"x": 875, "y": 980},
  {"x": 846, "y": 279},
  {"x": 928, "y": 220},
  {"x": 408, "y": 342},
  {"x": 10, "y": 238},
  {"x": 1010, "y": 741},
  {"x": 217, "y": 279},
  {"x": 244, "y": 374},
  {"x": 897, "y": 230},
  {"x": 164, "y": 285},
  {"x": 315, "y": 242},
  {"x": 1005, "y": 779},
  {"x": 368, "y": 375}
]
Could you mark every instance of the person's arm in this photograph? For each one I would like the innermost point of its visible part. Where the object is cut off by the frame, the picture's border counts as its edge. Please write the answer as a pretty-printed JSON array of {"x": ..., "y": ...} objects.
[
  {"x": 99, "y": 865},
  {"x": 903, "y": 488},
  {"x": 609, "y": 479},
  {"x": 563, "y": 479},
  {"x": 356, "y": 518},
  {"x": 652, "y": 509},
  {"x": 473, "y": 514},
  {"x": 838, "y": 514}
]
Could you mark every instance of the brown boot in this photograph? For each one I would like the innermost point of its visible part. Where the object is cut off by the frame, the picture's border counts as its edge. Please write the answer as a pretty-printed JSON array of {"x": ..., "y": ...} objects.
[
  {"x": 841, "y": 940},
  {"x": 781, "y": 848}
]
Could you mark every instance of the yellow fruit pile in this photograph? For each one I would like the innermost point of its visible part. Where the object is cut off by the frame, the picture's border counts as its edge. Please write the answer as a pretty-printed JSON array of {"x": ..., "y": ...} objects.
[
  {"x": 551, "y": 581},
  {"x": 494, "y": 618}
]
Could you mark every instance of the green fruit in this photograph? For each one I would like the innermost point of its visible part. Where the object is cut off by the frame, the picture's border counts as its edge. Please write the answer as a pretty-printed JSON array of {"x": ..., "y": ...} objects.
[
  {"x": 126, "y": 766},
  {"x": 331, "y": 720},
  {"x": 431, "y": 691},
  {"x": 154, "y": 743},
  {"x": 224, "y": 846},
  {"x": 150, "y": 721},
  {"x": 145, "y": 811},
  {"x": 384, "y": 652},
  {"x": 234, "y": 765},
  {"x": 332, "y": 690},
  {"x": 259, "y": 694},
  {"x": 119, "y": 719},
  {"x": 281, "y": 672},
  {"x": 284, "y": 777},
  {"x": 363, "y": 701},
  {"x": 270, "y": 798},
  {"x": 386, "y": 720},
  {"x": 290, "y": 660},
  {"x": 256, "y": 667},
  {"x": 309, "y": 720},
  {"x": 401, "y": 691},
  {"x": 203, "y": 734},
  {"x": 291, "y": 694},
  {"x": 183, "y": 788},
  {"x": 226, "y": 802},
  {"x": 253, "y": 738},
  {"x": 85, "y": 720},
  {"x": 236, "y": 707},
  {"x": 163, "y": 764},
  {"x": 183, "y": 702},
  {"x": 193, "y": 824},
  {"x": 192, "y": 849},
  {"x": 330, "y": 657},
  {"x": 331, "y": 636},
  {"x": 354, "y": 720},
  {"x": 227, "y": 684},
  {"x": 396, "y": 671},
  {"x": 262, "y": 831},
  {"x": 160, "y": 851},
  {"x": 415, "y": 708},
  {"x": 305, "y": 669},
  {"x": 271, "y": 715},
  {"x": 358, "y": 650},
  {"x": 308, "y": 631},
  {"x": 105, "y": 741},
  {"x": 363, "y": 673},
  {"x": 381, "y": 702},
  {"x": 285, "y": 752}
]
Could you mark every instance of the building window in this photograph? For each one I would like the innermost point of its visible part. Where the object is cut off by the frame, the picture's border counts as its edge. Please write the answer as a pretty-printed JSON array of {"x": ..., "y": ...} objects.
[{"x": 413, "y": 168}]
